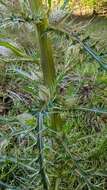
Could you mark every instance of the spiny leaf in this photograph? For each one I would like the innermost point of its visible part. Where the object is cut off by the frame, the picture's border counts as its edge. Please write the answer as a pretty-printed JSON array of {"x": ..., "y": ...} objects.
[
  {"x": 95, "y": 110},
  {"x": 5, "y": 186}
]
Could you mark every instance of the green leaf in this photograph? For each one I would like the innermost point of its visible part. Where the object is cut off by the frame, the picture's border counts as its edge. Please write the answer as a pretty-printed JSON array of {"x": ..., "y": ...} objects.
[
  {"x": 14, "y": 49},
  {"x": 2, "y": 2},
  {"x": 26, "y": 119},
  {"x": 3, "y": 35}
]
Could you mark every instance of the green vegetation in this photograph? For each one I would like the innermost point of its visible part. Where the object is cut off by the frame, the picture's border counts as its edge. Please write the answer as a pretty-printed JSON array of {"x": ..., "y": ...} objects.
[{"x": 53, "y": 97}]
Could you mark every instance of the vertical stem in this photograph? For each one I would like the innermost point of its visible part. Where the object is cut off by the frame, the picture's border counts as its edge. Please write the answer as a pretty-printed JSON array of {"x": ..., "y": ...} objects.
[
  {"x": 47, "y": 62},
  {"x": 41, "y": 156}
]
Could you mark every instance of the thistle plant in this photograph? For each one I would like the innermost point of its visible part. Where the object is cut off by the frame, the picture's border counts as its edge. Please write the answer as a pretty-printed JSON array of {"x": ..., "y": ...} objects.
[{"x": 49, "y": 154}]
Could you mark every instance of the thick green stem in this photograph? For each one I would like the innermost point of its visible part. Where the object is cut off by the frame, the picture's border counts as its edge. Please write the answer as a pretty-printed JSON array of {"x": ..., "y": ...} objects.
[{"x": 47, "y": 62}]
